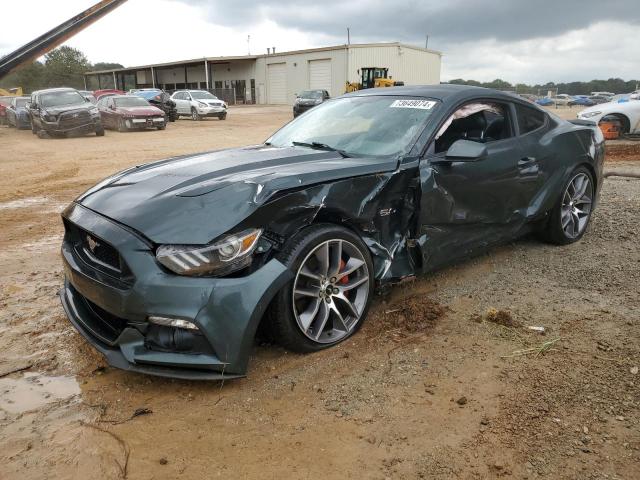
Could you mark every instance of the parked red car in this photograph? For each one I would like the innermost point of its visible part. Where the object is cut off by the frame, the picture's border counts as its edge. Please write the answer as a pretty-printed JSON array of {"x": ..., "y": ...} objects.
[
  {"x": 4, "y": 103},
  {"x": 106, "y": 92},
  {"x": 129, "y": 112}
]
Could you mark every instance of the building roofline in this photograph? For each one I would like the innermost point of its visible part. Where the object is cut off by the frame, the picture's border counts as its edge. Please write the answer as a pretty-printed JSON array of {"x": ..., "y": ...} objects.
[{"x": 255, "y": 57}]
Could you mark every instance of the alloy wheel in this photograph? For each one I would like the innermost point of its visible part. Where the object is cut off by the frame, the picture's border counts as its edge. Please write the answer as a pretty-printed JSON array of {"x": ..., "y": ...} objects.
[
  {"x": 576, "y": 205},
  {"x": 330, "y": 291}
]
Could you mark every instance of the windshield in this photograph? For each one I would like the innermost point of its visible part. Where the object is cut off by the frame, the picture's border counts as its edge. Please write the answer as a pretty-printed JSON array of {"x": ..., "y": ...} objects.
[
  {"x": 203, "y": 95},
  {"x": 311, "y": 94},
  {"x": 130, "y": 102},
  {"x": 370, "y": 125},
  {"x": 61, "y": 99}
]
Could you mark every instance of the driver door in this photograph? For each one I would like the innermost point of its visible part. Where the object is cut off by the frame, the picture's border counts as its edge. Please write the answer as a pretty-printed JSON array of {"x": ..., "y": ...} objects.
[
  {"x": 468, "y": 204},
  {"x": 182, "y": 104}
]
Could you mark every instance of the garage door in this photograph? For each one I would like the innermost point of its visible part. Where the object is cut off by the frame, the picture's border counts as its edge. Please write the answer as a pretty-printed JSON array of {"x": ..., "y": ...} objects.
[
  {"x": 320, "y": 75},
  {"x": 277, "y": 83}
]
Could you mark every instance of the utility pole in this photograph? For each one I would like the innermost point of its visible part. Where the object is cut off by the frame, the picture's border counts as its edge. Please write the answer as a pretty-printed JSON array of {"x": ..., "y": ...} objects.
[
  {"x": 248, "y": 45},
  {"x": 348, "y": 36},
  {"x": 426, "y": 42}
]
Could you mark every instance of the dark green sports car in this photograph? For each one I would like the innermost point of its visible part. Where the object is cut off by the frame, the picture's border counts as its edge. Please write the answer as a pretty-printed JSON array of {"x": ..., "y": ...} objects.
[{"x": 171, "y": 266}]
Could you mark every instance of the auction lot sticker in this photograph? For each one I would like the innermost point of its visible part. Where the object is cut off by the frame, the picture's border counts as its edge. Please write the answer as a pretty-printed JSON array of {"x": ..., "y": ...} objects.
[{"x": 422, "y": 104}]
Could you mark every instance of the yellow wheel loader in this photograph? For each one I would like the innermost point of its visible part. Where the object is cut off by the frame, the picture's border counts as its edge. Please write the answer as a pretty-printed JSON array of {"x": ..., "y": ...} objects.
[{"x": 373, "y": 77}]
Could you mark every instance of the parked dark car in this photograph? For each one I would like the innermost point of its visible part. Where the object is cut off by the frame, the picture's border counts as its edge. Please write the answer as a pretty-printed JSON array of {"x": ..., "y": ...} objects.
[
  {"x": 171, "y": 266},
  {"x": 161, "y": 100},
  {"x": 130, "y": 112},
  {"x": 599, "y": 99},
  {"x": 17, "y": 114},
  {"x": 581, "y": 100},
  {"x": 63, "y": 111},
  {"x": 309, "y": 99}
]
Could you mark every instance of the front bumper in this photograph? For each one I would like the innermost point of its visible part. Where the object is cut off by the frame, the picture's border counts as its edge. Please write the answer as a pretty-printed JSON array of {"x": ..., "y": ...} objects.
[
  {"x": 144, "y": 122},
  {"x": 111, "y": 313},
  {"x": 299, "y": 109},
  {"x": 211, "y": 111},
  {"x": 57, "y": 128}
]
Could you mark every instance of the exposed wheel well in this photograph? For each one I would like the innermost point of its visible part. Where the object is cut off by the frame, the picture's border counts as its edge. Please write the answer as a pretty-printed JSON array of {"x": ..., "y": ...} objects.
[{"x": 625, "y": 123}]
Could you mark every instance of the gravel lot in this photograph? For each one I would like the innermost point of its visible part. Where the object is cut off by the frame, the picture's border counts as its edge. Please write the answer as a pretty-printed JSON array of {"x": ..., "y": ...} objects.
[{"x": 445, "y": 380}]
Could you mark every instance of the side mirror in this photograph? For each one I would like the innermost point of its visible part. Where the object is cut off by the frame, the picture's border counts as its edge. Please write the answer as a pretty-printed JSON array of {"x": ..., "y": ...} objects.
[
  {"x": 466, "y": 151},
  {"x": 112, "y": 107}
]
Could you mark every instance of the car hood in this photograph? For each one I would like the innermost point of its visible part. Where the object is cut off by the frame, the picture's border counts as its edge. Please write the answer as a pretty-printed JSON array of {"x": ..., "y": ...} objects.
[
  {"x": 195, "y": 199},
  {"x": 68, "y": 108},
  {"x": 213, "y": 103},
  {"x": 150, "y": 110}
]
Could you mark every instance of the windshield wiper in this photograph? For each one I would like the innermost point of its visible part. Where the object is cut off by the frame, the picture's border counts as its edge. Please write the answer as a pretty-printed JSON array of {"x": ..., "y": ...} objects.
[{"x": 321, "y": 146}]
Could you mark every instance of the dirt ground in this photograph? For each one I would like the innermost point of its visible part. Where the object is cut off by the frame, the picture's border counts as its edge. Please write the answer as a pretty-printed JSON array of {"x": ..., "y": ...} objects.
[{"x": 445, "y": 380}]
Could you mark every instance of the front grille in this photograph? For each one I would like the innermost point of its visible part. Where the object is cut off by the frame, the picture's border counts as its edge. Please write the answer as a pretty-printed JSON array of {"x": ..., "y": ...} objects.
[
  {"x": 73, "y": 119},
  {"x": 102, "y": 324},
  {"x": 100, "y": 251},
  {"x": 95, "y": 252}
]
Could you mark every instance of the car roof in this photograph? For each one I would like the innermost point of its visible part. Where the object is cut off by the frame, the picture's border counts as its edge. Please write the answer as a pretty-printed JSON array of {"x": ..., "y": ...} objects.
[
  {"x": 125, "y": 96},
  {"x": 53, "y": 90},
  {"x": 447, "y": 93}
]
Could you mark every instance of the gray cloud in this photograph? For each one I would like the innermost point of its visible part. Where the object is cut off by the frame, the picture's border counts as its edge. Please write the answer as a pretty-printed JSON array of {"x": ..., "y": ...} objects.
[{"x": 410, "y": 20}]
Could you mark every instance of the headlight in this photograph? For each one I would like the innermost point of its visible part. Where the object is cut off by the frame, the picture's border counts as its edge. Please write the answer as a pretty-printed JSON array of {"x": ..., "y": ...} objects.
[
  {"x": 227, "y": 255},
  {"x": 49, "y": 117},
  {"x": 590, "y": 114},
  {"x": 202, "y": 104}
]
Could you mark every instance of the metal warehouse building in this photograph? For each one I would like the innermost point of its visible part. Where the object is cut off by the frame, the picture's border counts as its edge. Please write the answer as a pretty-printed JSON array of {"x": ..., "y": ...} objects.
[{"x": 276, "y": 78}]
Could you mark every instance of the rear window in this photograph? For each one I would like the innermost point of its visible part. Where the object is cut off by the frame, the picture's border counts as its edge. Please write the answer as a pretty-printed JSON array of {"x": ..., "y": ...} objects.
[
  {"x": 529, "y": 119},
  {"x": 130, "y": 102}
]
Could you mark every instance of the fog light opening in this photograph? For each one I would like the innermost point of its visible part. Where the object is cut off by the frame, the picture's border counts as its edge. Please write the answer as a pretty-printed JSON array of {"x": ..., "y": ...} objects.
[{"x": 172, "y": 322}]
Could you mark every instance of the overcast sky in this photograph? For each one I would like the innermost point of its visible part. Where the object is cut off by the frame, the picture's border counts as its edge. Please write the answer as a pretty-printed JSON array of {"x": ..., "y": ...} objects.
[{"x": 516, "y": 40}]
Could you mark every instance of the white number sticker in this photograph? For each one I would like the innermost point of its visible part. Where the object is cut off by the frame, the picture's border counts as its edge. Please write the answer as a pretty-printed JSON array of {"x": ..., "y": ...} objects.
[{"x": 422, "y": 104}]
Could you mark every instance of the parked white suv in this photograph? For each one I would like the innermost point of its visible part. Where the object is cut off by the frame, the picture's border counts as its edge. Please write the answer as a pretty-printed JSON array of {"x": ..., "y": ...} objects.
[{"x": 199, "y": 104}]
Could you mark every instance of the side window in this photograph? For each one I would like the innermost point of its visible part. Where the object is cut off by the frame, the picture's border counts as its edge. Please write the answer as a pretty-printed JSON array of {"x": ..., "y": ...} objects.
[
  {"x": 483, "y": 122},
  {"x": 529, "y": 119}
]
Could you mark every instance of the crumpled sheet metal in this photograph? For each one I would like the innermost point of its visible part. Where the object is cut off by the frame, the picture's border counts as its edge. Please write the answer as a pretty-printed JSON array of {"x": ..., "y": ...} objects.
[{"x": 379, "y": 208}]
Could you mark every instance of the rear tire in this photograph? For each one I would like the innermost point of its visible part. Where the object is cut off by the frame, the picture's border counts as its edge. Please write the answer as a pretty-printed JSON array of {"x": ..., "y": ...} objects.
[
  {"x": 330, "y": 302},
  {"x": 570, "y": 217}
]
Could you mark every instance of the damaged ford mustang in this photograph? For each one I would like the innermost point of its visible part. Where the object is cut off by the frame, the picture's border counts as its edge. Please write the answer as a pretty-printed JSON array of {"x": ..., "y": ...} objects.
[{"x": 171, "y": 266}]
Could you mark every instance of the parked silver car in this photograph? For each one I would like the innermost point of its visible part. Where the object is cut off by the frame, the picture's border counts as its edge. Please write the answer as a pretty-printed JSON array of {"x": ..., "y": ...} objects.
[{"x": 199, "y": 104}]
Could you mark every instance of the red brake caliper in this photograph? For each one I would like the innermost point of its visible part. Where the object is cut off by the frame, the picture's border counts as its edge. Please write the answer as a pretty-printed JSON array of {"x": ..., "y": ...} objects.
[{"x": 344, "y": 280}]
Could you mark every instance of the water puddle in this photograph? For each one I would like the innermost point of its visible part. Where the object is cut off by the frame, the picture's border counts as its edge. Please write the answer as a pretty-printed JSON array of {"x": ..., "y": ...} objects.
[
  {"x": 33, "y": 391},
  {"x": 46, "y": 204},
  {"x": 24, "y": 203}
]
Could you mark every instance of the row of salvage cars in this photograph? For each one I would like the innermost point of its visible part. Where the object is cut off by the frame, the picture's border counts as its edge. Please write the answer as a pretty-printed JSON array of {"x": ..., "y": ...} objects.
[{"x": 61, "y": 112}]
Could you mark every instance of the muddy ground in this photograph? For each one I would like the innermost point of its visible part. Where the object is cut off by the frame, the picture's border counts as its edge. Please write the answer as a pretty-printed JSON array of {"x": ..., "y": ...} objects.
[{"x": 445, "y": 380}]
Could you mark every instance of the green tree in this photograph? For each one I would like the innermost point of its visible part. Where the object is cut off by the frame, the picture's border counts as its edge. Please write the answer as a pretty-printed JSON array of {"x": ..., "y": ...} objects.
[
  {"x": 30, "y": 77},
  {"x": 105, "y": 66},
  {"x": 65, "y": 67}
]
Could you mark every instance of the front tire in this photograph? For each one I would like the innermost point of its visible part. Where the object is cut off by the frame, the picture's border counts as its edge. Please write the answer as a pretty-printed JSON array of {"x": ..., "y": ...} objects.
[
  {"x": 121, "y": 126},
  {"x": 100, "y": 131},
  {"x": 195, "y": 116},
  {"x": 570, "y": 217},
  {"x": 223, "y": 116},
  {"x": 331, "y": 292}
]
